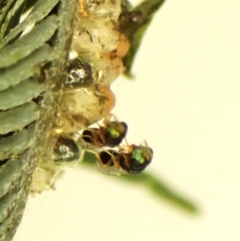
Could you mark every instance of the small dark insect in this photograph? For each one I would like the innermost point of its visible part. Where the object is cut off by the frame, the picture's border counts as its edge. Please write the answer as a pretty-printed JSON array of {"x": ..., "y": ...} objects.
[
  {"x": 132, "y": 159},
  {"x": 78, "y": 73},
  {"x": 66, "y": 150}
]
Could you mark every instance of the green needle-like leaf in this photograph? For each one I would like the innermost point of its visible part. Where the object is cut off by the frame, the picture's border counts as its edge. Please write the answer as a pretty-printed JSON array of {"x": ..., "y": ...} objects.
[
  {"x": 134, "y": 23},
  {"x": 153, "y": 184},
  {"x": 161, "y": 190}
]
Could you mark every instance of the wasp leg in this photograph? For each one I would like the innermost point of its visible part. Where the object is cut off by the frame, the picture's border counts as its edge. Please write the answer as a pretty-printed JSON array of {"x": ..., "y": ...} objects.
[{"x": 110, "y": 162}]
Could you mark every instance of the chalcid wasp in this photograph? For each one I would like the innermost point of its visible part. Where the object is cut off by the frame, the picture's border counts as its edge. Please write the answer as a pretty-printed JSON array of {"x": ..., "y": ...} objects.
[
  {"x": 131, "y": 159},
  {"x": 110, "y": 134}
]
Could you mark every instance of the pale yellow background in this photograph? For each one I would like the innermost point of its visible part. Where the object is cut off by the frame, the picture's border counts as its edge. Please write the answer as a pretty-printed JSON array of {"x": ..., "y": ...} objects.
[{"x": 185, "y": 102}]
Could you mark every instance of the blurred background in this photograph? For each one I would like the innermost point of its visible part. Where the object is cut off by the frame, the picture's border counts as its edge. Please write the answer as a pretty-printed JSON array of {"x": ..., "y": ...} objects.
[{"x": 185, "y": 102}]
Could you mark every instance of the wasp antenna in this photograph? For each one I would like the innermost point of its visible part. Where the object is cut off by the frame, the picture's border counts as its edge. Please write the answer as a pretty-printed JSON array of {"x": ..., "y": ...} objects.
[
  {"x": 120, "y": 148},
  {"x": 124, "y": 147},
  {"x": 98, "y": 124},
  {"x": 115, "y": 118},
  {"x": 145, "y": 143},
  {"x": 107, "y": 118},
  {"x": 125, "y": 139}
]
